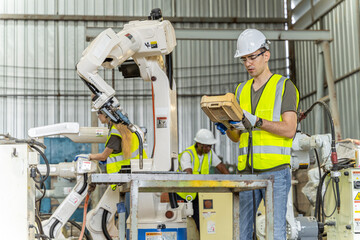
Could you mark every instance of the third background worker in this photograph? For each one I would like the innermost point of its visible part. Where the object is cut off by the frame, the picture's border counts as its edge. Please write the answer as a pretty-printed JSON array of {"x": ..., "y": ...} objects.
[
  {"x": 269, "y": 102},
  {"x": 197, "y": 159}
]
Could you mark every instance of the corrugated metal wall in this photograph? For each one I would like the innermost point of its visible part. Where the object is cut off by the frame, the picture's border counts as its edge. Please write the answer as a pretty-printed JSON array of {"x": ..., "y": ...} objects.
[
  {"x": 343, "y": 22},
  {"x": 39, "y": 85}
]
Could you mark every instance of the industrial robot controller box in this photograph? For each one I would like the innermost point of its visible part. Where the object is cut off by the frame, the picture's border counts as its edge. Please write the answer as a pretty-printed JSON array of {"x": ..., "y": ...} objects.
[{"x": 222, "y": 108}]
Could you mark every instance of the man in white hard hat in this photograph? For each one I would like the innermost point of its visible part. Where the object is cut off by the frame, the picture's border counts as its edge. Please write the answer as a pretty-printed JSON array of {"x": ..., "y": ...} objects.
[
  {"x": 269, "y": 102},
  {"x": 197, "y": 159}
]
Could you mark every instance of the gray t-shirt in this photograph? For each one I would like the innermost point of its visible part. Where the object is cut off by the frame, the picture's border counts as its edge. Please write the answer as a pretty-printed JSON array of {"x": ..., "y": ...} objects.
[
  {"x": 115, "y": 144},
  {"x": 289, "y": 98}
]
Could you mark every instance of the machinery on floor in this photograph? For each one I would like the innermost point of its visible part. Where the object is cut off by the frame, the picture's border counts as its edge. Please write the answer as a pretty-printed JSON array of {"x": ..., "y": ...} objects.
[
  {"x": 335, "y": 182},
  {"x": 145, "y": 42}
]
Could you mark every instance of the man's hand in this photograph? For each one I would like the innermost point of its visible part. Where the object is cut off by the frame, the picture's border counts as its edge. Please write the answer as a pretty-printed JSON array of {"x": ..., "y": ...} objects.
[
  {"x": 82, "y": 156},
  {"x": 251, "y": 119},
  {"x": 237, "y": 125},
  {"x": 221, "y": 127}
]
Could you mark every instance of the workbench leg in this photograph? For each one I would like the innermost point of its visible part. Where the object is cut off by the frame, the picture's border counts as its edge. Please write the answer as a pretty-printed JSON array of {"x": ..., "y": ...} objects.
[
  {"x": 236, "y": 216},
  {"x": 269, "y": 203},
  {"x": 134, "y": 196}
]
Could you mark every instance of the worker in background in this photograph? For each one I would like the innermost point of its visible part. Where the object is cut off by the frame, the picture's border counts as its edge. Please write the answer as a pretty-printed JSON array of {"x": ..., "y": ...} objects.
[
  {"x": 116, "y": 147},
  {"x": 197, "y": 159},
  {"x": 269, "y": 102}
]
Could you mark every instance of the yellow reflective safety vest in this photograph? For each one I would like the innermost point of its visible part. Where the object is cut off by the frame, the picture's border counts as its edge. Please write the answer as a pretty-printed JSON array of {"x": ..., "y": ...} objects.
[
  {"x": 269, "y": 150},
  {"x": 116, "y": 160},
  {"x": 196, "y": 168}
]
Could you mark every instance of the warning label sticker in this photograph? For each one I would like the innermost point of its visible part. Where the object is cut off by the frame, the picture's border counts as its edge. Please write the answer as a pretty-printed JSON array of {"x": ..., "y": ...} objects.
[
  {"x": 161, "y": 236},
  {"x": 357, "y": 197},
  {"x": 161, "y": 122},
  {"x": 356, "y": 226}
]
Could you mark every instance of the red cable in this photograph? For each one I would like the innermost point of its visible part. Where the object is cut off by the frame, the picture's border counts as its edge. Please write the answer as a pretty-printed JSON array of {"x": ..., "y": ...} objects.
[{"x": 84, "y": 216}]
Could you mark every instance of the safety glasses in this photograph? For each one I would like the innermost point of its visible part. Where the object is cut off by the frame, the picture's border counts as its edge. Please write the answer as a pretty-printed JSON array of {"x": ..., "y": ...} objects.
[{"x": 251, "y": 57}]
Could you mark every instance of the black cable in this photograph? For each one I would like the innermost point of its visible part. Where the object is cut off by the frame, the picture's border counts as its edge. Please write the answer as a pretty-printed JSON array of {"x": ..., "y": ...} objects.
[
  {"x": 173, "y": 201},
  {"x": 318, "y": 202},
  {"x": 327, "y": 185},
  {"x": 52, "y": 228},
  {"x": 336, "y": 179},
  {"x": 250, "y": 155},
  {"x": 38, "y": 223},
  {"x": 317, "y": 215},
  {"x": 37, "y": 233},
  {"x": 328, "y": 112},
  {"x": 140, "y": 147},
  {"x": 75, "y": 224},
  {"x": 84, "y": 185},
  {"x": 42, "y": 179},
  {"x": 318, "y": 162},
  {"x": 103, "y": 225},
  {"x": 43, "y": 193}
]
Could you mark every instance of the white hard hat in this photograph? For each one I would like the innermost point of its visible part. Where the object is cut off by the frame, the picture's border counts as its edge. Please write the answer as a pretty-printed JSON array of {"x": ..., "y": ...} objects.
[
  {"x": 249, "y": 41},
  {"x": 204, "y": 136}
]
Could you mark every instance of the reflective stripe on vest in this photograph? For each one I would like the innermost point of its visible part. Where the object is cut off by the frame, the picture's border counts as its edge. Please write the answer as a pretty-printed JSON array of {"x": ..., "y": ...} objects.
[
  {"x": 116, "y": 160},
  {"x": 196, "y": 168},
  {"x": 270, "y": 150}
]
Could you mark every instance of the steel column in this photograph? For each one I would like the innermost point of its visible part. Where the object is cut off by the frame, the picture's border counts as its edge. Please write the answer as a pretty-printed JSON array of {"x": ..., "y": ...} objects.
[
  {"x": 319, "y": 93},
  {"x": 134, "y": 203},
  {"x": 331, "y": 85}
]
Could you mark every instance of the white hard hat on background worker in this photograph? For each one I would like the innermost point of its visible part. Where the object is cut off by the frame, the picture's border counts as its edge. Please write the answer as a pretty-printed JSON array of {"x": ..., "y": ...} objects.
[
  {"x": 205, "y": 136},
  {"x": 249, "y": 41}
]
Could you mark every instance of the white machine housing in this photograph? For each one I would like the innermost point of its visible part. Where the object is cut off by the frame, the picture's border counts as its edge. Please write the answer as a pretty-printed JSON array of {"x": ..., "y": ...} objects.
[{"x": 17, "y": 206}]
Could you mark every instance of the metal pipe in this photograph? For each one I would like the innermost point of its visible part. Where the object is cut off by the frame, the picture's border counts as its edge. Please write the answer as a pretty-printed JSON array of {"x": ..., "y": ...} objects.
[
  {"x": 331, "y": 85},
  {"x": 319, "y": 93}
]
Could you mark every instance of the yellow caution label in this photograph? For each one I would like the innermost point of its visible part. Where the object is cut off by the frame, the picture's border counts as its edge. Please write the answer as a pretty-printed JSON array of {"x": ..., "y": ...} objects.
[{"x": 357, "y": 196}]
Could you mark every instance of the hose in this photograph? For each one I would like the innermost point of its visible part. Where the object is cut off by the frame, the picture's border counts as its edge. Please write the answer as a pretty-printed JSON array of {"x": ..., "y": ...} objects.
[
  {"x": 169, "y": 69},
  {"x": 84, "y": 216},
  {"x": 141, "y": 160},
  {"x": 327, "y": 110},
  {"x": 103, "y": 225},
  {"x": 173, "y": 201},
  {"x": 153, "y": 109}
]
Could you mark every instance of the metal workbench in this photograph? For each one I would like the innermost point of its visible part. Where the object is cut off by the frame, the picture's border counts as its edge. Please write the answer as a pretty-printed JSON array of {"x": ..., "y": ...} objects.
[{"x": 179, "y": 182}]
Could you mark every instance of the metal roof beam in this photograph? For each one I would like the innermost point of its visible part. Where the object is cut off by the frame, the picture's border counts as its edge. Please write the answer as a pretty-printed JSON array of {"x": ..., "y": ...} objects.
[
  {"x": 307, "y": 12},
  {"x": 232, "y": 34},
  {"x": 42, "y": 17}
]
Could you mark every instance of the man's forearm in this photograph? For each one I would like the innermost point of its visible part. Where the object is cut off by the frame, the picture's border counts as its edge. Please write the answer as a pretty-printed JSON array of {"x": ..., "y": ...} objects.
[
  {"x": 285, "y": 128},
  {"x": 222, "y": 168}
]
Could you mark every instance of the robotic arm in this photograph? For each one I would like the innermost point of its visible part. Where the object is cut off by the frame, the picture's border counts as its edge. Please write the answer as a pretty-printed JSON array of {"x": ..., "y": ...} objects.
[{"x": 140, "y": 40}]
